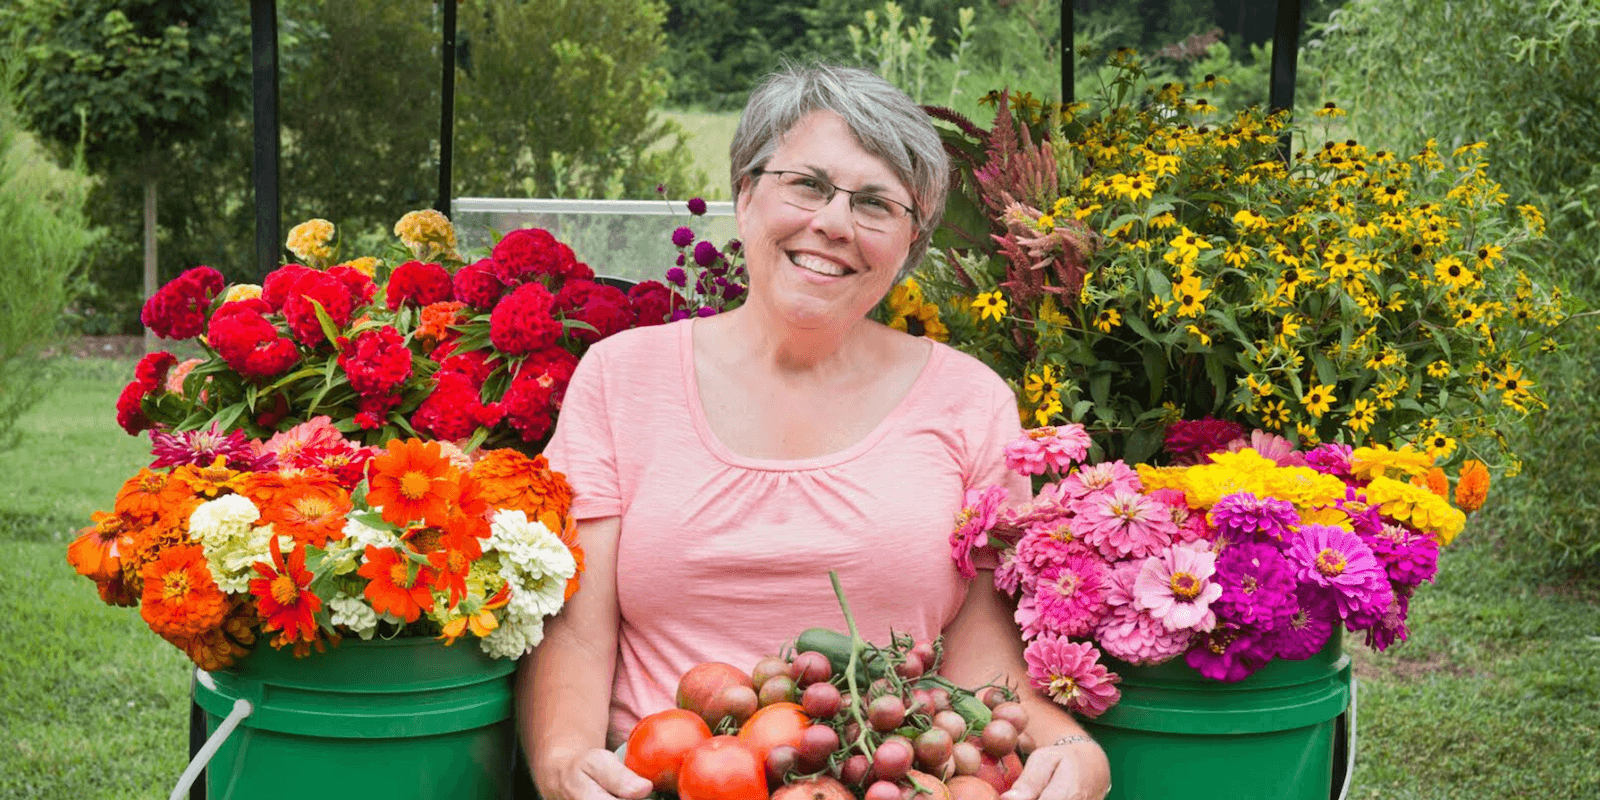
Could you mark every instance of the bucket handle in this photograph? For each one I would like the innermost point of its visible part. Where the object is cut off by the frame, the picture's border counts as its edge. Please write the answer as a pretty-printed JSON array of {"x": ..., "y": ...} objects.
[
  {"x": 241, "y": 709},
  {"x": 1350, "y": 746}
]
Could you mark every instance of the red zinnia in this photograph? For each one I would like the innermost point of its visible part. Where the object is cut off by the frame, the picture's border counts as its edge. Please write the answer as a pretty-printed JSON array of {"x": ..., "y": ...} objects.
[
  {"x": 284, "y": 598},
  {"x": 396, "y": 585}
]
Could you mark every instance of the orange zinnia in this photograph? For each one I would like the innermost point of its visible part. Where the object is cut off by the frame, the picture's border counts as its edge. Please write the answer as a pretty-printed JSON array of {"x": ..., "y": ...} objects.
[
  {"x": 312, "y": 513},
  {"x": 482, "y": 622},
  {"x": 98, "y": 551},
  {"x": 180, "y": 598},
  {"x": 396, "y": 584},
  {"x": 210, "y": 650},
  {"x": 452, "y": 566},
  {"x": 214, "y": 480},
  {"x": 284, "y": 598},
  {"x": 143, "y": 496},
  {"x": 413, "y": 481},
  {"x": 510, "y": 480},
  {"x": 1473, "y": 488}
]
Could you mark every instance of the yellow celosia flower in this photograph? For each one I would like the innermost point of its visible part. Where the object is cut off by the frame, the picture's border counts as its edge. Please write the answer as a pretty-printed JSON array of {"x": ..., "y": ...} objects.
[
  {"x": 427, "y": 233},
  {"x": 309, "y": 242},
  {"x": 366, "y": 265},
  {"x": 242, "y": 291}
]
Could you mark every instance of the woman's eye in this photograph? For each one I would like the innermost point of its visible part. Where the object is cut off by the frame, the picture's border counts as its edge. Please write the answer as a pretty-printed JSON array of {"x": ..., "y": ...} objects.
[
  {"x": 814, "y": 184},
  {"x": 873, "y": 203}
]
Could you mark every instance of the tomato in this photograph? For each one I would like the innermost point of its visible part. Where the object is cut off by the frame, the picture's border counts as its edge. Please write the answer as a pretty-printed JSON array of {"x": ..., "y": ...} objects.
[
  {"x": 659, "y": 742},
  {"x": 723, "y": 768},
  {"x": 780, "y": 723}
]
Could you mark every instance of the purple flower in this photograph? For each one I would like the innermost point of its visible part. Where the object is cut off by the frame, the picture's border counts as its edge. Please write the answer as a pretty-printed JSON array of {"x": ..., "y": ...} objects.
[
  {"x": 732, "y": 291},
  {"x": 661, "y": 188},
  {"x": 1364, "y": 519},
  {"x": 677, "y": 277},
  {"x": 679, "y": 313},
  {"x": 1227, "y": 654},
  {"x": 1408, "y": 557},
  {"x": 1308, "y": 628},
  {"x": 733, "y": 247},
  {"x": 1336, "y": 559},
  {"x": 697, "y": 206},
  {"x": 681, "y": 260},
  {"x": 705, "y": 311},
  {"x": 1254, "y": 518},
  {"x": 1330, "y": 459},
  {"x": 706, "y": 254},
  {"x": 1191, "y": 440},
  {"x": 1257, "y": 586},
  {"x": 682, "y": 237},
  {"x": 1391, "y": 627},
  {"x": 201, "y": 448}
]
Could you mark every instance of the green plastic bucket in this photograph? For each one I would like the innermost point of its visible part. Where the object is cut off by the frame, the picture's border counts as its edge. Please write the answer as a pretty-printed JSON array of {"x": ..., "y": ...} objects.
[
  {"x": 1271, "y": 736},
  {"x": 400, "y": 719}
]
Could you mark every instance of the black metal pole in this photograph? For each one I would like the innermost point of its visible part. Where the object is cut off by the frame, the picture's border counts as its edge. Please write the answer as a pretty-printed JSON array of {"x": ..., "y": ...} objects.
[
  {"x": 264, "y": 90},
  {"x": 447, "y": 105},
  {"x": 1068, "y": 60},
  {"x": 1285, "y": 60}
]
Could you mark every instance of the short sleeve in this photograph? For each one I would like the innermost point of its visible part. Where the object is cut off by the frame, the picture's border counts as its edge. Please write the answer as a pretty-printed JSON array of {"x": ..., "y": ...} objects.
[
  {"x": 998, "y": 427},
  {"x": 583, "y": 446}
]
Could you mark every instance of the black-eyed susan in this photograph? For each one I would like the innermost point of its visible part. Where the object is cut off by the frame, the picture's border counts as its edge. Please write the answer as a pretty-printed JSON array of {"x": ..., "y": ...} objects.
[
  {"x": 1317, "y": 400},
  {"x": 1467, "y": 314},
  {"x": 1390, "y": 194},
  {"x": 1163, "y": 221},
  {"x": 1488, "y": 254},
  {"x": 1329, "y": 109},
  {"x": 1190, "y": 295},
  {"x": 1452, "y": 273},
  {"x": 1199, "y": 335},
  {"x": 1438, "y": 445},
  {"x": 1440, "y": 369},
  {"x": 922, "y": 320},
  {"x": 1275, "y": 415},
  {"x": 1107, "y": 319},
  {"x": 1042, "y": 385},
  {"x": 1362, "y": 414},
  {"x": 990, "y": 305},
  {"x": 1510, "y": 379},
  {"x": 1307, "y": 433}
]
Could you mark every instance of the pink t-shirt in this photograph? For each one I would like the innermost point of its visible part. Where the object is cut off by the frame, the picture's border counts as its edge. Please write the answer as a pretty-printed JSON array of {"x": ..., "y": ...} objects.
[{"x": 726, "y": 558}]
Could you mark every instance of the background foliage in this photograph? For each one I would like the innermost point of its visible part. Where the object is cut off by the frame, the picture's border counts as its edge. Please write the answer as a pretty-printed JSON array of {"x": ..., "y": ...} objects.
[
  {"x": 45, "y": 238},
  {"x": 1519, "y": 76}
]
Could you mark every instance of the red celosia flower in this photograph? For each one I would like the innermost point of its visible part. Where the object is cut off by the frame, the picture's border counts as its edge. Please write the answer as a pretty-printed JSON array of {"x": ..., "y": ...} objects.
[
  {"x": 417, "y": 284},
  {"x": 151, "y": 372},
  {"x": 284, "y": 598},
  {"x": 653, "y": 302},
  {"x": 530, "y": 407},
  {"x": 373, "y": 412},
  {"x": 361, "y": 287},
  {"x": 474, "y": 364},
  {"x": 530, "y": 254},
  {"x": 454, "y": 410},
  {"x": 605, "y": 308},
  {"x": 275, "y": 289},
  {"x": 376, "y": 361},
  {"x": 311, "y": 289},
  {"x": 521, "y": 323},
  {"x": 477, "y": 285},
  {"x": 552, "y": 367},
  {"x": 248, "y": 343},
  {"x": 413, "y": 481},
  {"x": 178, "y": 310},
  {"x": 180, "y": 598},
  {"x": 396, "y": 585},
  {"x": 130, "y": 409}
]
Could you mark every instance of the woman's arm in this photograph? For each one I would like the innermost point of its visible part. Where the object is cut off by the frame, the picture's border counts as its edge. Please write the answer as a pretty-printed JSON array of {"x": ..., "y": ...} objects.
[
  {"x": 564, "y": 685},
  {"x": 983, "y": 645}
]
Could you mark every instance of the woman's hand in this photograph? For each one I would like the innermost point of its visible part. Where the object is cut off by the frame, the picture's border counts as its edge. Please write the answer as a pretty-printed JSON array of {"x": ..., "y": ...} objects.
[
  {"x": 589, "y": 775},
  {"x": 1075, "y": 769}
]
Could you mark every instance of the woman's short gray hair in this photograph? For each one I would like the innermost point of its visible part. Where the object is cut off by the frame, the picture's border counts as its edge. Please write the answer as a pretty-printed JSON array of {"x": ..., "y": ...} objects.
[{"x": 886, "y": 122}]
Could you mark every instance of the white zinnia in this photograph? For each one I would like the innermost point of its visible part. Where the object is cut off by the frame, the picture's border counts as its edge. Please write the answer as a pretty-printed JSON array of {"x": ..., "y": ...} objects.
[
  {"x": 537, "y": 565},
  {"x": 232, "y": 545},
  {"x": 353, "y": 613}
]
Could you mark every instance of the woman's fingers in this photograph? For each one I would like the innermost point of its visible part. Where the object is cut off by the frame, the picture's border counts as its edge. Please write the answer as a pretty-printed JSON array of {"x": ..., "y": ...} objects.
[
  {"x": 615, "y": 780},
  {"x": 1052, "y": 773}
]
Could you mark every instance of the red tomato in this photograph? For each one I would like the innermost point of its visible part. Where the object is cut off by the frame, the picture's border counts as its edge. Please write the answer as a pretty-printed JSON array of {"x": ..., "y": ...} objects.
[
  {"x": 659, "y": 742},
  {"x": 780, "y": 723},
  {"x": 723, "y": 768}
]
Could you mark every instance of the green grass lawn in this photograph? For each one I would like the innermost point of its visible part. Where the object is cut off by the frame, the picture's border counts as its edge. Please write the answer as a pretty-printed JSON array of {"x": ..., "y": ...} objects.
[{"x": 1496, "y": 695}]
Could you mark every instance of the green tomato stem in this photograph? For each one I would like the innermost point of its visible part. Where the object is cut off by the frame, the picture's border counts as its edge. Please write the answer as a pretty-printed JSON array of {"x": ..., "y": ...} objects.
[{"x": 857, "y": 645}]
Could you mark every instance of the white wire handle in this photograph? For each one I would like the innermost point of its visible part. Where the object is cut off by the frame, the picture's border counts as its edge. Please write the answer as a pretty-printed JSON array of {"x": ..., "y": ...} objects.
[{"x": 241, "y": 709}]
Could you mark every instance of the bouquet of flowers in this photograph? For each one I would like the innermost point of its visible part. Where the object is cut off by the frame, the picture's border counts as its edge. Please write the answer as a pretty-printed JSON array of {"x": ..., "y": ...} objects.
[
  {"x": 1148, "y": 259},
  {"x": 476, "y": 352},
  {"x": 1252, "y": 551},
  {"x": 309, "y": 536}
]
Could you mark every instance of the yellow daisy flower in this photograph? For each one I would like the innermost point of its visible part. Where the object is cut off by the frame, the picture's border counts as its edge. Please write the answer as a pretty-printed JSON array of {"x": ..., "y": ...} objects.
[
  {"x": 1317, "y": 400},
  {"x": 990, "y": 305}
]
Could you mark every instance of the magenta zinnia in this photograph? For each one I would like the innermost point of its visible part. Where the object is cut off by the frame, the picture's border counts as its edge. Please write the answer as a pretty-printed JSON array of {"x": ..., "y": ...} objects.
[
  {"x": 978, "y": 514},
  {"x": 201, "y": 448},
  {"x": 1245, "y": 517},
  {"x": 1066, "y": 598},
  {"x": 1336, "y": 559}
]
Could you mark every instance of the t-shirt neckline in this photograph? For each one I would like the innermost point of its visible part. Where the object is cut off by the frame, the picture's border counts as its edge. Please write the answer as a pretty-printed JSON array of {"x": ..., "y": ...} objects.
[{"x": 723, "y": 453}]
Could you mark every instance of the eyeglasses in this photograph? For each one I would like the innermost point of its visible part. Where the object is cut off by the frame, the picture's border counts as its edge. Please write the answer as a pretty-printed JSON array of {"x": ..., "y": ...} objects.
[{"x": 869, "y": 210}]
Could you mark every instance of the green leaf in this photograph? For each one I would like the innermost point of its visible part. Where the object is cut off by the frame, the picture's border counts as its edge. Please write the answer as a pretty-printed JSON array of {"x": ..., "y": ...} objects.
[
  {"x": 1142, "y": 444},
  {"x": 1326, "y": 373},
  {"x": 1100, "y": 389}
]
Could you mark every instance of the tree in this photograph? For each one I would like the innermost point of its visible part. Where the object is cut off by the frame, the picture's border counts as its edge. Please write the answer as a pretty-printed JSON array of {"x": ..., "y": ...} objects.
[
  {"x": 561, "y": 101},
  {"x": 132, "y": 78}
]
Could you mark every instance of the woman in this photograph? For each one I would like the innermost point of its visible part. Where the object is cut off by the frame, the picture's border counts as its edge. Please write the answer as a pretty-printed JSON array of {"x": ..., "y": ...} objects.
[{"x": 722, "y": 466}]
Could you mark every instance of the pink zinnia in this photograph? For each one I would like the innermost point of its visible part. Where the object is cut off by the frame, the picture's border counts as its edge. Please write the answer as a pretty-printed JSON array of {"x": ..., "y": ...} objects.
[
  {"x": 1049, "y": 448},
  {"x": 1071, "y": 673},
  {"x": 980, "y": 510},
  {"x": 1122, "y": 524},
  {"x": 1271, "y": 446},
  {"x": 1134, "y": 636},
  {"x": 1067, "y": 598},
  {"x": 1110, "y": 475},
  {"x": 1176, "y": 588},
  {"x": 1046, "y": 545},
  {"x": 287, "y": 446},
  {"x": 1192, "y": 527}
]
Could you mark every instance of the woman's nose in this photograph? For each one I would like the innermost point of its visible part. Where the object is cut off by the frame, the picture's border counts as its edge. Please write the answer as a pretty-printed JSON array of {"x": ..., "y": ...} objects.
[{"x": 835, "y": 219}]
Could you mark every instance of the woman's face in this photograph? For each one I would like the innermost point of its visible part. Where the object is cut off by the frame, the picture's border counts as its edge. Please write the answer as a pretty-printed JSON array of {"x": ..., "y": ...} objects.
[{"x": 818, "y": 269}]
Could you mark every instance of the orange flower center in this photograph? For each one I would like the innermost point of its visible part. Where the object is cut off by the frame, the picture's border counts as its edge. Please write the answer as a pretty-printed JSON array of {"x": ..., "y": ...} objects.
[
  {"x": 425, "y": 540},
  {"x": 312, "y": 507},
  {"x": 457, "y": 561},
  {"x": 414, "y": 485},
  {"x": 175, "y": 585},
  {"x": 153, "y": 483},
  {"x": 1047, "y": 432},
  {"x": 399, "y": 575},
  {"x": 1185, "y": 586},
  {"x": 284, "y": 591},
  {"x": 965, "y": 517},
  {"x": 1330, "y": 562}
]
